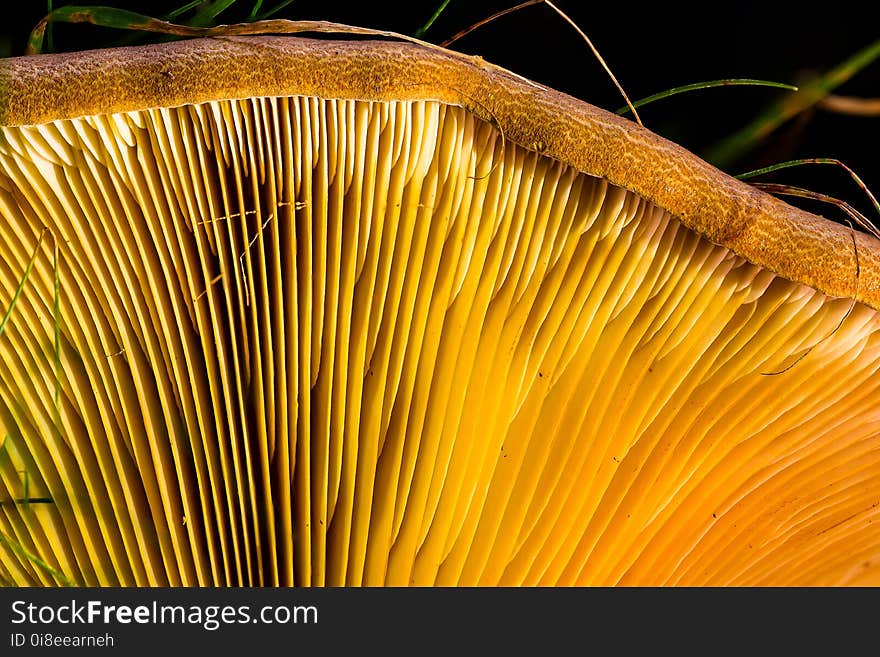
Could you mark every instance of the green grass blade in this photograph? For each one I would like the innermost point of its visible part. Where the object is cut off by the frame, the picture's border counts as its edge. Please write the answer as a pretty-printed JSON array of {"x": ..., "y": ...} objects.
[
  {"x": 208, "y": 13},
  {"x": 255, "y": 11},
  {"x": 101, "y": 16},
  {"x": 419, "y": 33},
  {"x": 24, "y": 554},
  {"x": 171, "y": 15},
  {"x": 18, "y": 291},
  {"x": 26, "y": 498},
  {"x": 695, "y": 86},
  {"x": 813, "y": 160},
  {"x": 270, "y": 12},
  {"x": 27, "y": 501},
  {"x": 733, "y": 147}
]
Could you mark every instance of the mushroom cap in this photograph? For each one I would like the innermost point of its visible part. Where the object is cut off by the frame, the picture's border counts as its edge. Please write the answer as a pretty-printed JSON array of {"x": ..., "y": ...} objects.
[{"x": 371, "y": 313}]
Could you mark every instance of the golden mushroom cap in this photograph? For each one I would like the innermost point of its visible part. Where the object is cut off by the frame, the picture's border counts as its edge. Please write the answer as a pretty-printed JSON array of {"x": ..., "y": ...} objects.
[{"x": 364, "y": 312}]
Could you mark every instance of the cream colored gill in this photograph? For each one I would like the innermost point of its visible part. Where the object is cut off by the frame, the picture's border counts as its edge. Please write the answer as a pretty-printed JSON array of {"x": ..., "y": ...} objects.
[{"x": 326, "y": 342}]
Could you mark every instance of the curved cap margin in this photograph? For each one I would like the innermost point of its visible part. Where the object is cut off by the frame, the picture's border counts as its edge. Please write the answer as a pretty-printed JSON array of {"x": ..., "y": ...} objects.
[{"x": 764, "y": 230}]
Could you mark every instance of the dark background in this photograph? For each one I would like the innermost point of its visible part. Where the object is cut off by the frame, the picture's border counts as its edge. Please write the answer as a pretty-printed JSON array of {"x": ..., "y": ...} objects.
[
  {"x": 476, "y": 621},
  {"x": 650, "y": 47}
]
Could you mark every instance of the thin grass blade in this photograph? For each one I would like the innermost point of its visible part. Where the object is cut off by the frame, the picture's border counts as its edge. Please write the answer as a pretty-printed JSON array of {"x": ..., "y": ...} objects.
[
  {"x": 208, "y": 13},
  {"x": 269, "y": 12},
  {"x": 419, "y": 33},
  {"x": 696, "y": 86},
  {"x": 18, "y": 291},
  {"x": 180, "y": 11},
  {"x": 568, "y": 20},
  {"x": 788, "y": 190},
  {"x": 24, "y": 554},
  {"x": 463, "y": 33},
  {"x": 814, "y": 160}
]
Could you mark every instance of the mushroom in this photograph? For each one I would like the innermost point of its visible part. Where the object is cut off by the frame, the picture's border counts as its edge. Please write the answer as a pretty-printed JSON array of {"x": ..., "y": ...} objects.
[{"x": 321, "y": 312}]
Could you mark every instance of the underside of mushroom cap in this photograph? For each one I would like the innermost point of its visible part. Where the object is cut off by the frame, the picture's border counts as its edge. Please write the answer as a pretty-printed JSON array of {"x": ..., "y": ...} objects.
[{"x": 364, "y": 313}]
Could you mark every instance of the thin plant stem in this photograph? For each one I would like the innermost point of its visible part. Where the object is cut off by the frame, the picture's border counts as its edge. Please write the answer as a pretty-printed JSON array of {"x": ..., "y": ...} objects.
[
  {"x": 814, "y": 160},
  {"x": 427, "y": 26},
  {"x": 568, "y": 20},
  {"x": 696, "y": 86},
  {"x": 18, "y": 291},
  {"x": 24, "y": 554}
]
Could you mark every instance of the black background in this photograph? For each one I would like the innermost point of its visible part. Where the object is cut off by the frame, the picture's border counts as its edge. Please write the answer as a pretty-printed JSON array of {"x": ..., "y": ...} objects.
[{"x": 649, "y": 46}]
